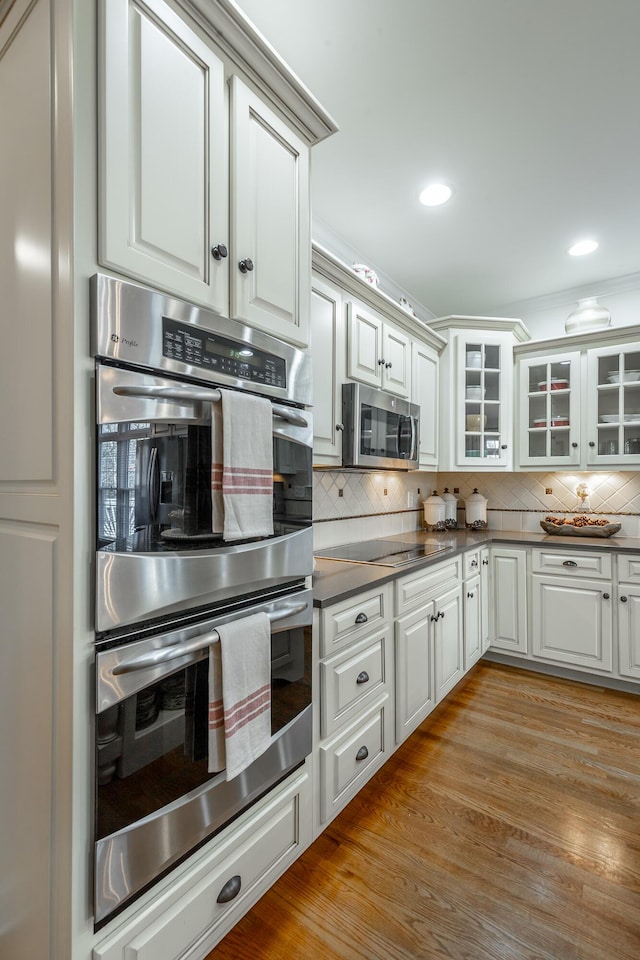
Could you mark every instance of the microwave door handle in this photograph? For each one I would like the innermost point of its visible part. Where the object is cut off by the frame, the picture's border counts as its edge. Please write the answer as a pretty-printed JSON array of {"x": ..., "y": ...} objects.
[
  {"x": 201, "y": 642},
  {"x": 199, "y": 395},
  {"x": 153, "y": 484},
  {"x": 414, "y": 439}
]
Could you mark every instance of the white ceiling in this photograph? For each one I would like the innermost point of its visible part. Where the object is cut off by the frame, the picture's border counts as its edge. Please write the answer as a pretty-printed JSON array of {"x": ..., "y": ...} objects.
[{"x": 530, "y": 108}]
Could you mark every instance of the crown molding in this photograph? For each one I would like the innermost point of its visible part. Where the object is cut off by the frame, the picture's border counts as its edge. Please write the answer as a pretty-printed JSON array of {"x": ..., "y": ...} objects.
[
  {"x": 500, "y": 324},
  {"x": 550, "y": 301}
]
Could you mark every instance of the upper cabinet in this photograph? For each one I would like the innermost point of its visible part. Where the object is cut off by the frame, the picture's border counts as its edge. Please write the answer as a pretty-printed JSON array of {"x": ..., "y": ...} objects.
[
  {"x": 359, "y": 333},
  {"x": 580, "y": 407},
  {"x": 476, "y": 392},
  {"x": 204, "y": 188}
]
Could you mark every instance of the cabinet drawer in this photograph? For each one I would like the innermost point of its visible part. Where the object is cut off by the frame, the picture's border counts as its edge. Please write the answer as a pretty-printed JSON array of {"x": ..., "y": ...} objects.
[
  {"x": 354, "y": 619},
  {"x": 350, "y": 679},
  {"x": 420, "y": 587},
  {"x": 347, "y": 761},
  {"x": 257, "y": 852},
  {"x": 628, "y": 568},
  {"x": 470, "y": 564},
  {"x": 571, "y": 563}
]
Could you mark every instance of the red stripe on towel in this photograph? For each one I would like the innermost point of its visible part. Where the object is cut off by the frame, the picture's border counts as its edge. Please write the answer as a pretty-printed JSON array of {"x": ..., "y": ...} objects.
[
  {"x": 216, "y": 714},
  {"x": 250, "y": 470},
  {"x": 246, "y": 710}
]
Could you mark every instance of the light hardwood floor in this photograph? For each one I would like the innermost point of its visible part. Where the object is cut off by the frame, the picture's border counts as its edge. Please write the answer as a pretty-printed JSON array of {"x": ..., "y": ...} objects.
[{"x": 507, "y": 827}]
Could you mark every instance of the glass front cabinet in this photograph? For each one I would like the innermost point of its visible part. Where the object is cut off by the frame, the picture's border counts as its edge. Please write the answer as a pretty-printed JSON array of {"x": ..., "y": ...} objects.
[
  {"x": 580, "y": 408},
  {"x": 484, "y": 399}
]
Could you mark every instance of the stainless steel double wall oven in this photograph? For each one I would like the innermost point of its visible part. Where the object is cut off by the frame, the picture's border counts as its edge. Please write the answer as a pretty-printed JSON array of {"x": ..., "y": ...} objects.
[{"x": 164, "y": 581}]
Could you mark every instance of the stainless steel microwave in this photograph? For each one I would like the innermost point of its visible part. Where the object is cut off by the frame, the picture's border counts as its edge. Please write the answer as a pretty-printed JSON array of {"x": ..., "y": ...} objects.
[{"x": 380, "y": 431}]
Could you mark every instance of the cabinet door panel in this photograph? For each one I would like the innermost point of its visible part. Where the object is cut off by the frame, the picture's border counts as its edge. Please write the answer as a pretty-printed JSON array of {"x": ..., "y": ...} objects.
[
  {"x": 414, "y": 670},
  {"x": 508, "y": 586},
  {"x": 424, "y": 392},
  {"x": 163, "y": 155},
  {"x": 629, "y": 631},
  {"x": 472, "y": 623},
  {"x": 572, "y": 622},
  {"x": 364, "y": 345},
  {"x": 270, "y": 220},
  {"x": 396, "y": 371},
  {"x": 449, "y": 657},
  {"x": 328, "y": 355}
]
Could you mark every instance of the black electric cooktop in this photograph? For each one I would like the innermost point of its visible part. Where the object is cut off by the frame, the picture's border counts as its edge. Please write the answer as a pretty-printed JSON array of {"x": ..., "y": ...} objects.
[{"x": 385, "y": 553}]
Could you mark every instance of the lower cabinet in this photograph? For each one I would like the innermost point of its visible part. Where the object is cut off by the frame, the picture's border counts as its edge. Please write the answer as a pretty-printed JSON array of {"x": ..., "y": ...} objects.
[
  {"x": 448, "y": 642},
  {"x": 414, "y": 662},
  {"x": 199, "y": 907},
  {"x": 473, "y": 646},
  {"x": 571, "y": 621},
  {"x": 628, "y": 610},
  {"x": 508, "y": 605}
]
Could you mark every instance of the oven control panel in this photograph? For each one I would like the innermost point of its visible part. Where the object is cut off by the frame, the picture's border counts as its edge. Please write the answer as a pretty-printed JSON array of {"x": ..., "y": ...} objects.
[{"x": 219, "y": 354}]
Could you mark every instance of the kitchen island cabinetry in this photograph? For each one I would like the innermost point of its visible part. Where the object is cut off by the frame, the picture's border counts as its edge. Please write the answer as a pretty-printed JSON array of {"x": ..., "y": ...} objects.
[
  {"x": 579, "y": 401},
  {"x": 354, "y": 713},
  {"x": 572, "y": 608},
  {"x": 228, "y": 227},
  {"x": 476, "y": 392}
]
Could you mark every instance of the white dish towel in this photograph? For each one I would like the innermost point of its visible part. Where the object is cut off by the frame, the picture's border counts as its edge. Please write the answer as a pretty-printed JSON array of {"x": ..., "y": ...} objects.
[
  {"x": 242, "y": 466},
  {"x": 240, "y": 694}
]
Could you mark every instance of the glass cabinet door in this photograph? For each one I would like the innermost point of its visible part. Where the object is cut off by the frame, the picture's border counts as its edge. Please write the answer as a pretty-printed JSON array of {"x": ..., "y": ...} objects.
[
  {"x": 614, "y": 404},
  {"x": 549, "y": 410},
  {"x": 483, "y": 434}
]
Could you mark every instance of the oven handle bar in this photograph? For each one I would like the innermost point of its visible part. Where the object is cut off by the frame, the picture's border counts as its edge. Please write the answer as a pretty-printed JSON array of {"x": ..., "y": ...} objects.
[
  {"x": 199, "y": 395},
  {"x": 201, "y": 642}
]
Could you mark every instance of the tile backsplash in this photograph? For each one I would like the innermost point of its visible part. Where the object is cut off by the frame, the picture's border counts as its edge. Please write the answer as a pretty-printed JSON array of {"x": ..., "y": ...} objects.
[{"x": 351, "y": 506}]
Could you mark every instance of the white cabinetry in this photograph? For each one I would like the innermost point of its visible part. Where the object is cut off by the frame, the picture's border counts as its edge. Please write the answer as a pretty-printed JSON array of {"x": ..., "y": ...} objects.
[
  {"x": 228, "y": 227},
  {"x": 428, "y": 641},
  {"x": 354, "y": 732},
  {"x": 628, "y": 606},
  {"x": 508, "y": 587},
  {"x": 571, "y": 608},
  {"x": 195, "y": 910},
  {"x": 424, "y": 392},
  {"x": 476, "y": 392},
  {"x": 579, "y": 401},
  {"x": 473, "y": 604},
  {"x": 328, "y": 355},
  {"x": 377, "y": 352}
]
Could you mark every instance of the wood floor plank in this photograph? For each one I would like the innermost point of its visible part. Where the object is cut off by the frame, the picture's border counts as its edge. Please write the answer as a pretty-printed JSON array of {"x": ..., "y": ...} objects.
[{"x": 507, "y": 827}]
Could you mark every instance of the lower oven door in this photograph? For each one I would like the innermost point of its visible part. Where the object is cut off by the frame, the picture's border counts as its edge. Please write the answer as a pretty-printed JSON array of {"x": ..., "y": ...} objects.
[{"x": 155, "y": 799}]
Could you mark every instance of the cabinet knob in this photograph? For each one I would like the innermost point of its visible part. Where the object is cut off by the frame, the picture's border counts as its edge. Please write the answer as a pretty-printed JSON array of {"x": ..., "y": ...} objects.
[
  {"x": 219, "y": 252},
  {"x": 623, "y": 599},
  {"x": 230, "y": 890},
  {"x": 474, "y": 563},
  {"x": 605, "y": 596},
  {"x": 574, "y": 445},
  {"x": 388, "y": 365},
  {"x": 245, "y": 266},
  {"x": 504, "y": 446},
  {"x": 362, "y": 677},
  {"x": 434, "y": 617},
  {"x": 381, "y": 361},
  {"x": 470, "y": 595},
  {"x": 362, "y": 754},
  {"x": 441, "y": 614},
  {"x": 592, "y": 443},
  {"x": 362, "y": 618},
  {"x": 340, "y": 426},
  {"x": 485, "y": 563}
]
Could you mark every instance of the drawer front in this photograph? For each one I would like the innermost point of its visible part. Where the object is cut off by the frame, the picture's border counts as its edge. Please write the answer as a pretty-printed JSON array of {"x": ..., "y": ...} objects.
[
  {"x": 354, "y": 619},
  {"x": 471, "y": 563},
  {"x": 350, "y": 679},
  {"x": 572, "y": 563},
  {"x": 346, "y": 762},
  {"x": 628, "y": 568},
  {"x": 420, "y": 587},
  {"x": 256, "y": 853}
]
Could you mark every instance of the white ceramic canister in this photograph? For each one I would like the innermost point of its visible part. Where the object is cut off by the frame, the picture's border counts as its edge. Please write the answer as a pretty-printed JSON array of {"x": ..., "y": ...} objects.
[
  {"x": 434, "y": 511},
  {"x": 450, "y": 509},
  {"x": 475, "y": 510},
  {"x": 588, "y": 315}
]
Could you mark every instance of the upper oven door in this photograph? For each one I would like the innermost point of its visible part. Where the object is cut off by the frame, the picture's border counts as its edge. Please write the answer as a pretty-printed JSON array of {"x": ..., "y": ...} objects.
[{"x": 157, "y": 554}]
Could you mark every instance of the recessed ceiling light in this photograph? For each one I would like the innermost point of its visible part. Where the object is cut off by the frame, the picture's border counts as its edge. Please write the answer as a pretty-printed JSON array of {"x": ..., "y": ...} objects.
[
  {"x": 582, "y": 247},
  {"x": 435, "y": 194}
]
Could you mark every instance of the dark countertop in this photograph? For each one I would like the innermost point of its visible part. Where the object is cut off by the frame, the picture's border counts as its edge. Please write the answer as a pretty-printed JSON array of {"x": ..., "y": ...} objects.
[{"x": 335, "y": 580}]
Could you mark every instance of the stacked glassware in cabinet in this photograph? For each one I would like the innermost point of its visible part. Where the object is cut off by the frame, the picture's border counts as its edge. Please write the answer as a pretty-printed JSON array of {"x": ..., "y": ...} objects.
[
  {"x": 618, "y": 403},
  {"x": 482, "y": 402},
  {"x": 549, "y": 409}
]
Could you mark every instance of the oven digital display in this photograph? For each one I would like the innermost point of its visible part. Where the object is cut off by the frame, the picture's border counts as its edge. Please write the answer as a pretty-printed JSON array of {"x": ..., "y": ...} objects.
[{"x": 219, "y": 354}]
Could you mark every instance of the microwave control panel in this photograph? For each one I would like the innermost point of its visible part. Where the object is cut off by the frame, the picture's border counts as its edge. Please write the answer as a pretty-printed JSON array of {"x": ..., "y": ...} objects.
[{"x": 218, "y": 354}]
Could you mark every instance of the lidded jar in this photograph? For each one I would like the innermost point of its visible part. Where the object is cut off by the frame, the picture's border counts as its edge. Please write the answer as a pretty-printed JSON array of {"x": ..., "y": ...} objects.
[
  {"x": 588, "y": 315},
  {"x": 450, "y": 509},
  {"x": 475, "y": 510},
  {"x": 434, "y": 512}
]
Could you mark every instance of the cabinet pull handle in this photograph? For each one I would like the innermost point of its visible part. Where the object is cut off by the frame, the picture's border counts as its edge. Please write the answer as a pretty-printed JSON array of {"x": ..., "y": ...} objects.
[
  {"x": 474, "y": 563},
  {"x": 246, "y": 265},
  {"x": 388, "y": 365},
  {"x": 362, "y": 618},
  {"x": 470, "y": 595},
  {"x": 434, "y": 617},
  {"x": 441, "y": 614},
  {"x": 340, "y": 426},
  {"x": 380, "y": 362},
  {"x": 605, "y": 596},
  {"x": 569, "y": 563},
  {"x": 362, "y": 677},
  {"x": 230, "y": 890},
  {"x": 219, "y": 252},
  {"x": 623, "y": 599},
  {"x": 362, "y": 754},
  {"x": 485, "y": 563}
]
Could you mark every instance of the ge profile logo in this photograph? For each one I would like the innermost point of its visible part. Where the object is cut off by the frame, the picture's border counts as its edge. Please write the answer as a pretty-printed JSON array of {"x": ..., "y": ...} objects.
[{"x": 123, "y": 340}]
